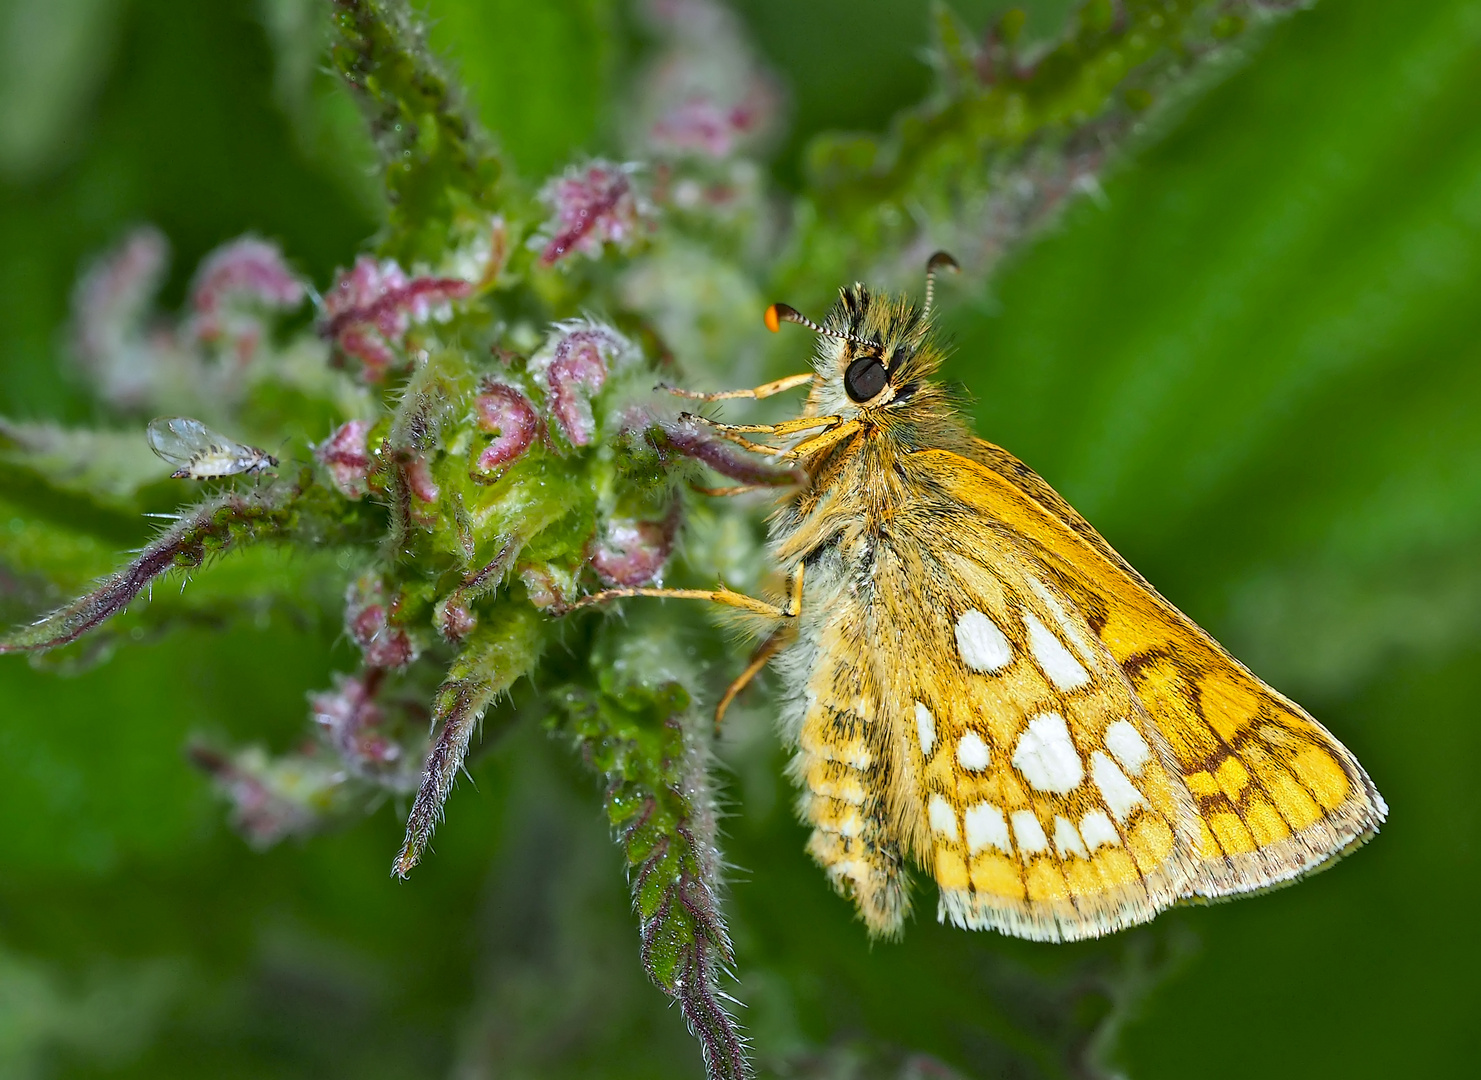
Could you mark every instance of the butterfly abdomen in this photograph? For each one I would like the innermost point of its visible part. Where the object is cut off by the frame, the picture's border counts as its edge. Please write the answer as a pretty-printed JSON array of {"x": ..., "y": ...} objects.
[{"x": 842, "y": 764}]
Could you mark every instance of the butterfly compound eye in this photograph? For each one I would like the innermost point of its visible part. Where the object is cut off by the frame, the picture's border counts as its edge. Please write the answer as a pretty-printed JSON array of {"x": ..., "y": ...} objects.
[{"x": 865, "y": 378}]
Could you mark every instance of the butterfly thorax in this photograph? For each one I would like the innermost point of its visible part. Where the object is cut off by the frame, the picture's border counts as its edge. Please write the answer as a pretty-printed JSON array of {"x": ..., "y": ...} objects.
[{"x": 856, "y": 485}]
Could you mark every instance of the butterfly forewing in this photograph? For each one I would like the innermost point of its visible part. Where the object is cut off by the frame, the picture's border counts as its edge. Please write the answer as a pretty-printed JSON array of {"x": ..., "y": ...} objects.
[
  {"x": 1043, "y": 799},
  {"x": 1274, "y": 794}
]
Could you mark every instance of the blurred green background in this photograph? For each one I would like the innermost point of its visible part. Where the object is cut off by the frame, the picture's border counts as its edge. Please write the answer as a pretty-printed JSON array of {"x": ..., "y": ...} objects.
[{"x": 1255, "y": 365}]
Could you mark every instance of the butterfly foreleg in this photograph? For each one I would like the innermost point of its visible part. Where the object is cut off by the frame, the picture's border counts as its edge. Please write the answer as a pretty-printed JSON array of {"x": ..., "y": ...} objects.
[
  {"x": 736, "y": 433},
  {"x": 825, "y": 439},
  {"x": 786, "y": 427},
  {"x": 766, "y": 390}
]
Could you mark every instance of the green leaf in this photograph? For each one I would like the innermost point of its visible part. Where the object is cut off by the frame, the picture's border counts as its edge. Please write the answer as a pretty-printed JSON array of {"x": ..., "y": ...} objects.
[{"x": 540, "y": 75}]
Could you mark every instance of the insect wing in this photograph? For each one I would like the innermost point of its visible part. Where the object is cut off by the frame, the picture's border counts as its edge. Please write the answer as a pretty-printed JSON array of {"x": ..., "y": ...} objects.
[
  {"x": 1093, "y": 756},
  {"x": 197, "y": 452}
]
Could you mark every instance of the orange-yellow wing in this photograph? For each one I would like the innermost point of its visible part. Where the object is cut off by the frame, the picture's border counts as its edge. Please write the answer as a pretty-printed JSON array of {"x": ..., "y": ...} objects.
[
  {"x": 1027, "y": 777},
  {"x": 1156, "y": 767}
]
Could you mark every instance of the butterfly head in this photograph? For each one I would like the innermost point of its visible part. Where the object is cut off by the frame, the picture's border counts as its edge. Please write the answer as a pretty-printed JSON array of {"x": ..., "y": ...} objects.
[{"x": 873, "y": 350}]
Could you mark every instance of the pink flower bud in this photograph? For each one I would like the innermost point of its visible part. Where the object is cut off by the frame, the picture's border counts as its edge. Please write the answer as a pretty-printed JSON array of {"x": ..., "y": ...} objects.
[
  {"x": 365, "y": 344},
  {"x": 352, "y": 723},
  {"x": 632, "y": 552},
  {"x": 274, "y": 798},
  {"x": 574, "y": 371},
  {"x": 368, "y": 620},
  {"x": 547, "y": 586},
  {"x": 454, "y": 620},
  {"x": 347, "y": 457},
  {"x": 113, "y": 297},
  {"x": 371, "y": 306},
  {"x": 703, "y": 126},
  {"x": 110, "y": 306},
  {"x": 508, "y": 415},
  {"x": 418, "y": 474},
  {"x": 233, "y": 280},
  {"x": 357, "y": 289},
  {"x": 706, "y": 93},
  {"x": 591, "y": 206}
]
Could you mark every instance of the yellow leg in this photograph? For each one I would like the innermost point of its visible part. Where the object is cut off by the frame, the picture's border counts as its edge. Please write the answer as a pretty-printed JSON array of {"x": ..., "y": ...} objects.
[
  {"x": 764, "y": 391},
  {"x": 786, "y": 427},
  {"x": 733, "y": 432},
  {"x": 825, "y": 439},
  {"x": 763, "y": 656},
  {"x": 737, "y": 489},
  {"x": 755, "y": 447},
  {"x": 722, "y": 595},
  {"x": 769, "y": 648}
]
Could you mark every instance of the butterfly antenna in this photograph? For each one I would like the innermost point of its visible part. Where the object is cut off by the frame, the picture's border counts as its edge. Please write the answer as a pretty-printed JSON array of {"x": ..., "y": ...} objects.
[
  {"x": 780, "y": 313},
  {"x": 934, "y": 263}
]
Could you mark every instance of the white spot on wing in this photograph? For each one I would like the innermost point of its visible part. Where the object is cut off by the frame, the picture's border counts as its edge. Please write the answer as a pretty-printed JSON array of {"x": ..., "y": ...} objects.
[
  {"x": 943, "y": 817},
  {"x": 986, "y": 827},
  {"x": 1028, "y": 832},
  {"x": 981, "y": 643},
  {"x": 1127, "y": 746},
  {"x": 1063, "y": 669},
  {"x": 1121, "y": 794},
  {"x": 972, "y": 752},
  {"x": 1070, "y": 627},
  {"x": 925, "y": 728},
  {"x": 1097, "y": 829},
  {"x": 1066, "y": 840},
  {"x": 1047, "y": 757}
]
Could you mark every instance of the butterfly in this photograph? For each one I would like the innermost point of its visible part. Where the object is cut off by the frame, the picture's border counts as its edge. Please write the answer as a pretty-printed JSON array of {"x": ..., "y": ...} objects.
[
  {"x": 977, "y": 684},
  {"x": 198, "y": 453}
]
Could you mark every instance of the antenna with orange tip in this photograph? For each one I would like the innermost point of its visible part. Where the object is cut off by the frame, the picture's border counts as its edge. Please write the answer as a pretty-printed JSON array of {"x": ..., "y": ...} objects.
[{"x": 780, "y": 313}]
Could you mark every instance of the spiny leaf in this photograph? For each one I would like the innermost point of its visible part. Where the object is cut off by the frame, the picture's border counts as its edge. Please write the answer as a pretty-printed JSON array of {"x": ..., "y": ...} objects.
[
  {"x": 640, "y": 733},
  {"x": 504, "y": 648},
  {"x": 279, "y": 511}
]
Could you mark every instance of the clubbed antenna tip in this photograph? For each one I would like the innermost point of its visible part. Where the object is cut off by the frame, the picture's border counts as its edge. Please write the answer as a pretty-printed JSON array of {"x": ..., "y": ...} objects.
[{"x": 934, "y": 263}]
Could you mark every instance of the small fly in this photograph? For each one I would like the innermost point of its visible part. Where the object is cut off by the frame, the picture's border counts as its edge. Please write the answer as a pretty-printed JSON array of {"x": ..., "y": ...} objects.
[{"x": 198, "y": 453}]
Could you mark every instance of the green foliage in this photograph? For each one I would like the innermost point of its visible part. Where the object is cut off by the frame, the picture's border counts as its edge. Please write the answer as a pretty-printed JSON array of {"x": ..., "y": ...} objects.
[
  {"x": 639, "y": 733},
  {"x": 438, "y": 167},
  {"x": 1248, "y": 358}
]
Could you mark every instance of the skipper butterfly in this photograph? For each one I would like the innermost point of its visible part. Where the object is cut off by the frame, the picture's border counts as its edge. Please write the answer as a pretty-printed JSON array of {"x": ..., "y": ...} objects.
[{"x": 976, "y": 683}]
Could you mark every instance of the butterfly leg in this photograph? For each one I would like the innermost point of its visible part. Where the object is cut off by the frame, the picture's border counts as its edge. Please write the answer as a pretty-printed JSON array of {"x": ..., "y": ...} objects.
[
  {"x": 764, "y": 391},
  {"x": 774, "y": 643},
  {"x": 769, "y": 648},
  {"x": 786, "y": 427},
  {"x": 736, "y": 489},
  {"x": 722, "y": 595},
  {"x": 736, "y": 433}
]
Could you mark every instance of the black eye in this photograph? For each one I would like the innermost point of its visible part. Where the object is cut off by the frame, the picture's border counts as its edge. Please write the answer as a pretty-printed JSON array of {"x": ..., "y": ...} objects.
[{"x": 865, "y": 378}]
